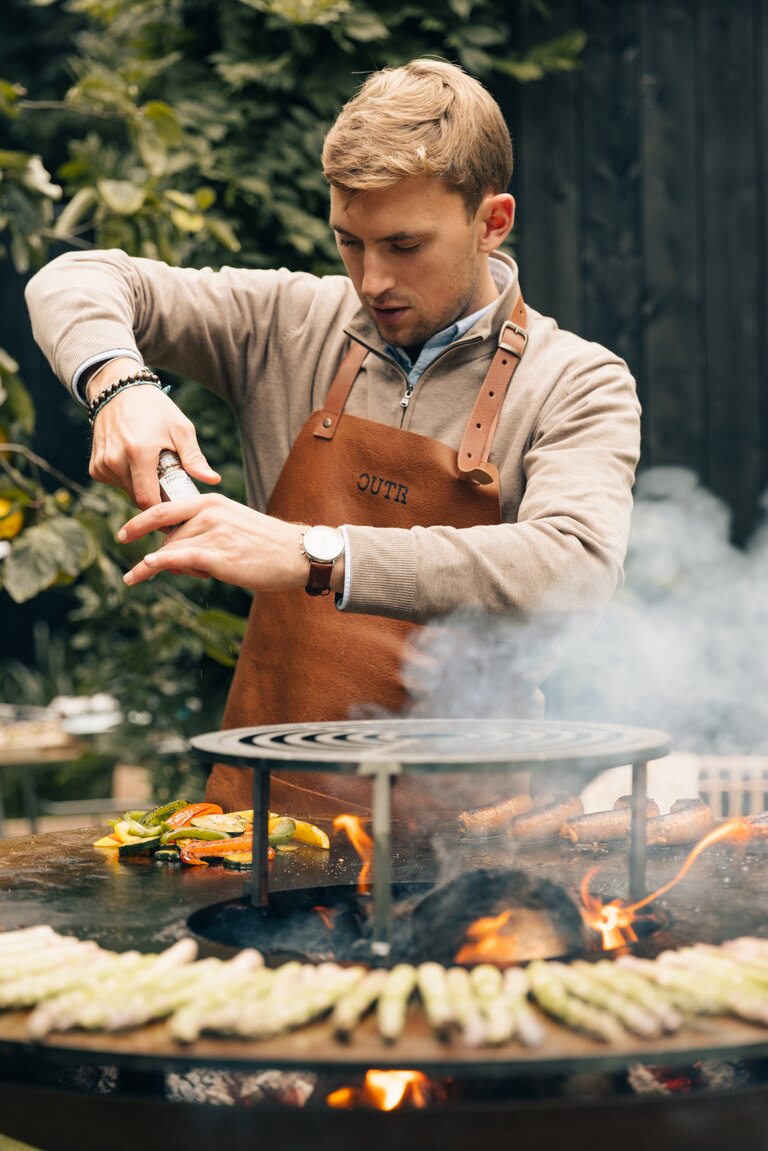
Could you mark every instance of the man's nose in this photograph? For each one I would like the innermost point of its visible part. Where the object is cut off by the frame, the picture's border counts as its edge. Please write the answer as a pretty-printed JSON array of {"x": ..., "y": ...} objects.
[{"x": 377, "y": 278}]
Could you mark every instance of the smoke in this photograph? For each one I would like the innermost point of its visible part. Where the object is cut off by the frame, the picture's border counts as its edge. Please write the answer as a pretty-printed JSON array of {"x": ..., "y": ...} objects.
[{"x": 681, "y": 647}]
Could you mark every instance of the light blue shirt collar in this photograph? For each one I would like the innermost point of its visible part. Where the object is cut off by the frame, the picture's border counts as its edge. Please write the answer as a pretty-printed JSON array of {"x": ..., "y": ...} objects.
[{"x": 435, "y": 344}]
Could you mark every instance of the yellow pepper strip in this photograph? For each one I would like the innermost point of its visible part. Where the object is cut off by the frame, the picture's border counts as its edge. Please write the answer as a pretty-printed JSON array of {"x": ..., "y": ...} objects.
[
  {"x": 304, "y": 833},
  {"x": 314, "y": 836},
  {"x": 107, "y": 841}
]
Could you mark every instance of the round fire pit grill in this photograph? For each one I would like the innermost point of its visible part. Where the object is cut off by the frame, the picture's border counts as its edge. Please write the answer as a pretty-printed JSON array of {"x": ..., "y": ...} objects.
[{"x": 387, "y": 749}]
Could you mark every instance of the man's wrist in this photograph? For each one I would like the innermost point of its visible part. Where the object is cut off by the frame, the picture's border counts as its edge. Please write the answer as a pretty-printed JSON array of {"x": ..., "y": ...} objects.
[
  {"x": 97, "y": 373},
  {"x": 107, "y": 374}
]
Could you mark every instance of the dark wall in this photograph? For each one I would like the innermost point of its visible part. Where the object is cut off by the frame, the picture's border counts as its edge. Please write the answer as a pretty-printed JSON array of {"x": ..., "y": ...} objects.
[{"x": 643, "y": 220}]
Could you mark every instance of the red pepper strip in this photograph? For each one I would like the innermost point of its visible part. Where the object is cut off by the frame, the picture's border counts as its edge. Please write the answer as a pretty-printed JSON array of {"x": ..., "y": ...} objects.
[
  {"x": 183, "y": 817},
  {"x": 189, "y": 851}
]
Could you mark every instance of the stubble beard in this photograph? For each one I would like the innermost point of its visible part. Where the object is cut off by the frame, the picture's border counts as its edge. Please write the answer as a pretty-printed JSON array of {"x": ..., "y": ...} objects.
[{"x": 422, "y": 332}]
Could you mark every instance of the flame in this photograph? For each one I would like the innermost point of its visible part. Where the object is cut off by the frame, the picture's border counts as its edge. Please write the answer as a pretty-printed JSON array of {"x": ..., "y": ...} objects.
[
  {"x": 362, "y": 843},
  {"x": 384, "y": 1091},
  {"x": 487, "y": 941},
  {"x": 614, "y": 920}
]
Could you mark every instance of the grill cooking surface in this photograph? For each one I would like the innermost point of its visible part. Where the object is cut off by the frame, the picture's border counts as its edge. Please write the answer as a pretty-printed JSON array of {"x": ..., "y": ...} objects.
[
  {"x": 62, "y": 880},
  {"x": 437, "y": 745}
]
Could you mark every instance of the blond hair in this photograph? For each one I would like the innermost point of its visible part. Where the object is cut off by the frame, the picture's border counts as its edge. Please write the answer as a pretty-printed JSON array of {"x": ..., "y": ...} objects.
[{"x": 426, "y": 118}]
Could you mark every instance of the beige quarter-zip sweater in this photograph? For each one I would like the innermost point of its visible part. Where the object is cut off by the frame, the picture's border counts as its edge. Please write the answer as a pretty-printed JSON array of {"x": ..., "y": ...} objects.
[{"x": 269, "y": 342}]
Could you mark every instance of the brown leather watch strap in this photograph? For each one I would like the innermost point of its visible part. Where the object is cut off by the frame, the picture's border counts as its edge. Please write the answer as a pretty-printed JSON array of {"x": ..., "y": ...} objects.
[
  {"x": 328, "y": 418},
  {"x": 319, "y": 580},
  {"x": 477, "y": 442}
]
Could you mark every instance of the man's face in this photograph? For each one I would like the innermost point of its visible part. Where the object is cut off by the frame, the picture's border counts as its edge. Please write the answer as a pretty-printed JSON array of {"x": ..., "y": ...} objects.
[{"x": 413, "y": 256}]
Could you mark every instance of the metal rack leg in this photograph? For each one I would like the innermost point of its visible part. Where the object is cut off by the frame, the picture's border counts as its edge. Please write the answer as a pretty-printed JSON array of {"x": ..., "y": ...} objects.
[
  {"x": 260, "y": 864},
  {"x": 30, "y": 797},
  {"x": 637, "y": 836},
  {"x": 383, "y": 774}
]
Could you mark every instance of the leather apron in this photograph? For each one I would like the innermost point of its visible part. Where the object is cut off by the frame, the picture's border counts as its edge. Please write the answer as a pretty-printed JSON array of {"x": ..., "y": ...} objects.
[{"x": 303, "y": 660}]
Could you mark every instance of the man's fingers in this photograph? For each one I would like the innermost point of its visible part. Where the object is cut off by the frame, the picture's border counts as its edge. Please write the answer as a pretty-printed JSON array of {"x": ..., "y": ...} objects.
[
  {"x": 158, "y": 517},
  {"x": 185, "y": 561},
  {"x": 146, "y": 489},
  {"x": 192, "y": 459}
]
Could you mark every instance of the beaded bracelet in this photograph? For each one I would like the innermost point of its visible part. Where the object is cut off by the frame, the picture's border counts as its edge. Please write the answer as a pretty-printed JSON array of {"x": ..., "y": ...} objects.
[{"x": 102, "y": 399}]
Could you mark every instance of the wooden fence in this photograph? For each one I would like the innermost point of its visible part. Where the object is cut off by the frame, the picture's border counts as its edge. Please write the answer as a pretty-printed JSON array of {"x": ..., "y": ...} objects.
[{"x": 643, "y": 219}]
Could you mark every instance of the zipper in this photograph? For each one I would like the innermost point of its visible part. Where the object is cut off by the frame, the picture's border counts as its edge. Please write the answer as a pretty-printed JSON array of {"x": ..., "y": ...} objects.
[{"x": 409, "y": 387}]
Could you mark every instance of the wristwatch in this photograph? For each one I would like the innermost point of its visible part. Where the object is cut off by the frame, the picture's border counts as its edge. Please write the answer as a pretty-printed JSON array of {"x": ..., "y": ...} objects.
[{"x": 322, "y": 546}]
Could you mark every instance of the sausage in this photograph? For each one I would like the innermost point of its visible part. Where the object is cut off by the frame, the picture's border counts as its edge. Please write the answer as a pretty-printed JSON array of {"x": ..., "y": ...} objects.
[
  {"x": 758, "y": 825},
  {"x": 545, "y": 822},
  {"x": 492, "y": 818},
  {"x": 687, "y": 821},
  {"x": 604, "y": 826}
]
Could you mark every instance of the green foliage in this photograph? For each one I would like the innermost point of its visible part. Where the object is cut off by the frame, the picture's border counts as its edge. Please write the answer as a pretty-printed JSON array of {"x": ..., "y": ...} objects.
[{"x": 189, "y": 131}]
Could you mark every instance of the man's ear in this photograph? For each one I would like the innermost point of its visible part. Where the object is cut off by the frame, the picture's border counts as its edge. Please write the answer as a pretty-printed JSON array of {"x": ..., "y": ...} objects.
[{"x": 496, "y": 215}]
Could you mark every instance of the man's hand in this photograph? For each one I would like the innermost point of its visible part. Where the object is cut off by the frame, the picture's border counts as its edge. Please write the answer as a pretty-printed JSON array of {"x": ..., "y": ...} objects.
[
  {"x": 130, "y": 432},
  {"x": 224, "y": 539}
]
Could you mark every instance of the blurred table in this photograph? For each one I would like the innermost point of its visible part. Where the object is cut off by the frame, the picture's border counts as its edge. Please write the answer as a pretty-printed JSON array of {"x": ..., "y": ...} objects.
[{"x": 29, "y": 759}]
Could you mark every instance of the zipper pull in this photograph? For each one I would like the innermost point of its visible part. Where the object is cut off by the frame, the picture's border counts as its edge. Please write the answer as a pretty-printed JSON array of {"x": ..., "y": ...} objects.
[{"x": 407, "y": 396}]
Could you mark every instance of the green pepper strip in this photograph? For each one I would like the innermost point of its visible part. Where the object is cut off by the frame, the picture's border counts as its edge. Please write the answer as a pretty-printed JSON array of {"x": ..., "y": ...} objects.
[{"x": 192, "y": 833}]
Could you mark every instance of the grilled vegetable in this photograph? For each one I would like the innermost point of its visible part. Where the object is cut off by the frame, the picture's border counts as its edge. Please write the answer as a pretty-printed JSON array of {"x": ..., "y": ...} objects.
[
  {"x": 392, "y": 1006},
  {"x": 124, "y": 832},
  {"x": 305, "y": 832},
  {"x": 160, "y": 814},
  {"x": 238, "y": 861},
  {"x": 191, "y": 811},
  {"x": 184, "y": 833},
  {"x": 550, "y": 991},
  {"x": 168, "y": 855},
  {"x": 282, "y": 832},
  {"x": 217, "y": 821},
  {"x": 351, "y": 1008},
  {"x": 434, "y": 993},
  {"x": 579, "y": 980},
  {"x": 465, "y": 1006},
  {"x": 191, "y": 852},
  {"x": 107, "y": 841},
  {"x": 139, "y": 846}
]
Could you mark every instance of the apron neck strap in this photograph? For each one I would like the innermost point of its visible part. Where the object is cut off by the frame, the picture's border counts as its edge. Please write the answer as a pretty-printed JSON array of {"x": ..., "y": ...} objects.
[
  {"x": 339, "y": 390},
  {"x": 476, "y": 445}
]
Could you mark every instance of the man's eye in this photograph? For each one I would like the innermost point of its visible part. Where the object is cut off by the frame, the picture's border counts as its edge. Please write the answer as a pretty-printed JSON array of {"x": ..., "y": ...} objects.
[
  {"x": 403, "y": 250},
  {"x": 347, "y": 243}
]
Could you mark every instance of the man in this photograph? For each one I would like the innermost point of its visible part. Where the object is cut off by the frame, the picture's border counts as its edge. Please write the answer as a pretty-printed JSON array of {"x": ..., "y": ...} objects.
[{"x": 466, "y": 454}]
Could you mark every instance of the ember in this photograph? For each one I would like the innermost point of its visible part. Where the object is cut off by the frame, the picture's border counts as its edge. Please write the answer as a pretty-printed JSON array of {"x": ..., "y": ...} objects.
[
  {"x": 495, "y": 916},
  {"x": 511, "y": 937},
  {"x": 327, "y": 914},
  {"x": 386, "y": 1091}
]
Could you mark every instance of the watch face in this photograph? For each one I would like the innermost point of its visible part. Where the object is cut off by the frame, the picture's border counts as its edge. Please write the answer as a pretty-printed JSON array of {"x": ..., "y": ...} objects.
[{"x": 323, "y": 544}]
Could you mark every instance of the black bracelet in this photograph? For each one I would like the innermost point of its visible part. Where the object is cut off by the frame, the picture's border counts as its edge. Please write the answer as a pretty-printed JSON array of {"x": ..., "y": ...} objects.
[
  {"x": 144, "y": 377},
  {"x": 111, "y": 389}
]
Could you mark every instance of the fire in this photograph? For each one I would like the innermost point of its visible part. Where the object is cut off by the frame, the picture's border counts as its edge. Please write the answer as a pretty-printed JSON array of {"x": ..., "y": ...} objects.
[
  {"x": 488, "y": 942},
  {"x": 384, "y": 1091},
  {"x": 614, "y": 920},
  {"x": 362, "y": 843}
]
